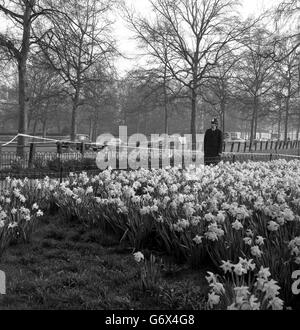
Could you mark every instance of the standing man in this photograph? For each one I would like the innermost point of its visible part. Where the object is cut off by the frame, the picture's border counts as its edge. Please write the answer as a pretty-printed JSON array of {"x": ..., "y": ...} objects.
[{"x": 213, "y": 144}]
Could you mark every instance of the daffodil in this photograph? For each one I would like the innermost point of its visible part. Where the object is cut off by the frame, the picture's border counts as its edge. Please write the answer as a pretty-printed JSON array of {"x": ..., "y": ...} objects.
[
  {"x": 217, "y": 288},
  {"x": 271, "y": 289},
  {"x": 273, "y": 226},
  {"x": 213, "y": 300},
  {"x": 198, "y": 240},
  {"x": 227, "y": 266},
  {"x": 39, "y": 213},
  {"x": 256, "y": 252},
  {"x": 242, "y": 291},
  {"x": 12, "y": 225},
  {"x": 276, "y": 304},
  {"x": 239, "y": 269},
  {"x": 211, "y": 278},
  {"x": 237, "y": 225},
  {"x": 247, "y": 241},
  {"x": 259, "y": 240},
  {"x": 138, "y": 256}
]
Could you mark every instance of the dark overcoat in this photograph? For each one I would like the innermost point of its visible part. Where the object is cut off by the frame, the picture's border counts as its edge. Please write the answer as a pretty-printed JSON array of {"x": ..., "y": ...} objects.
[{"x": 213, "y": 146}]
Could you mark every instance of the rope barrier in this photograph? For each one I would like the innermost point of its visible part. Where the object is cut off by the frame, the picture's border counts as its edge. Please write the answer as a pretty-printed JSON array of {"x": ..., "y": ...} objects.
[
  {"x": 95, "y": 144},
  {"x": 165, "y": 150}
]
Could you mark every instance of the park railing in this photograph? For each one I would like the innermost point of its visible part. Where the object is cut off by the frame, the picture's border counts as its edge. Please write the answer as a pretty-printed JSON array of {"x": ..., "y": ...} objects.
[
  {"x": 229, "y": 146},
  {"x": 262, "y": 146},
  {"x": 37, "y": 165}
]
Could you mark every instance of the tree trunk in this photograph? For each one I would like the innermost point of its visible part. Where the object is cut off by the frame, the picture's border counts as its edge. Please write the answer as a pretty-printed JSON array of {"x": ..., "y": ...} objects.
[
  {"x": 91, "y": 128},
  {"x": 286, "y": 120},
  {"x": 22, "y": 126},
  {"x": 34, "y": 127},
  {"x": 252, "y": 125},
  {"x": 298, "y": 130},
  {"x": 44, "y": 128},
  {"x": 30, "y": 119},
  {"x": 22, "y": 66},
  {"x": 166, "y": 119},
  {"x": 223, "y": 111},
  {"x": 166, "y": 102},
  {"x": 194, "y": 119},
  {"x": 95, "y": 131},
  {"x": 74, "y": 116},
  {"x": 95, "y": 125},
  {"x": 254, "y": 120},
  {"x": 287, "y": 114},
  {"x": 279, "y": 121}
]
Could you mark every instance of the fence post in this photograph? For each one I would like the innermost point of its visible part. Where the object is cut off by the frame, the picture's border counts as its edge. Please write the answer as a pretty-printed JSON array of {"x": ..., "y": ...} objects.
[
  {"x": 0, "y": 156},
  {"x": 31, "y": 154},
  {"x": 149, "y": 155},
  {"x": 232, "y": 147},
  {"x": 82, "y": 149},
  {"x": 183, "y": 156},
  {"x": 59, "y": 152},
  {"x": 117, "y": 156},
  {"x": 250, "y": 147},
  {"x": 58, "y": 147},
  {"x": 271, "y": 157},
  {"x": 233, "y": 158}
]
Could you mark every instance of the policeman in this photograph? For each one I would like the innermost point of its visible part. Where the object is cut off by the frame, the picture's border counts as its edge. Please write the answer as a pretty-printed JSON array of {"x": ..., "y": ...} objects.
[{"x": 213, "y": 144}]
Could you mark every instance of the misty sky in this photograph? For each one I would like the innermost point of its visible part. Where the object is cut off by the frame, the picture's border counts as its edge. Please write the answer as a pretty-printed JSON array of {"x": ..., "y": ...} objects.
[
  {"x": 124, "y": 36},
  {"x": 129, "y": 48}
]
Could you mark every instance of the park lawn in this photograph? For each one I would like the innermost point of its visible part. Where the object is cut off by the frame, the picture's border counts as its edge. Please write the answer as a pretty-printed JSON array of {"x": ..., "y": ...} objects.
[{"x": 72, "y": 267}]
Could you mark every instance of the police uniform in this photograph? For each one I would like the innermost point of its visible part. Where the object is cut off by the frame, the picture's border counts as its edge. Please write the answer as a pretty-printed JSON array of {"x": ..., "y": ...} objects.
[{"x": 213, "y": 145}]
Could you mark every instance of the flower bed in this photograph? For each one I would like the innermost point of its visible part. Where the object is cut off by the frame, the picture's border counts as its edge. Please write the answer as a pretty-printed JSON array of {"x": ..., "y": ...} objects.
[{"x": 223, "y": 213}]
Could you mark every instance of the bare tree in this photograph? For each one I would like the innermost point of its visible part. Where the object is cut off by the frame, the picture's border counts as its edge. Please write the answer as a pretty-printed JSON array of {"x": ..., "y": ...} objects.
[
  {"x": 286, "y": 9},
  {"x": 287, "y": 71},
  {"x": 196, "y": 33},
  {"x": 286, "y": 14},
  {"x": 255, "y": 72},
  {"x": 73, "y": 45},
  {"x": 217, "y": 91},
  {"x": 47, "y": 98},
  {"x": 17, "y": 43},
  {"x": 99, "y": 94}
]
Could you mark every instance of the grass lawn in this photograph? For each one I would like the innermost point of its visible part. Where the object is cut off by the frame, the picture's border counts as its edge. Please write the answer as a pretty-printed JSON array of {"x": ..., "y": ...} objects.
[{"x": 71, "y": 267}]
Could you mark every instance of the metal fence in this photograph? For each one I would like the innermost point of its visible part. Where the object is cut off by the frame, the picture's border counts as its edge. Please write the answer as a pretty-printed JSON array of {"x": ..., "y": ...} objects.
[
  {"x": 262, "y": 146},
  {"x": 40, "y": 165},
  {"x": 59, "y": 166}
]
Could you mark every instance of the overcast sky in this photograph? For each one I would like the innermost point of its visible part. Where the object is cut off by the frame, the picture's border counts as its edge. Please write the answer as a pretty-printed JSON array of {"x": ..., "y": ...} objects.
[{"x": 128, "y": 46}]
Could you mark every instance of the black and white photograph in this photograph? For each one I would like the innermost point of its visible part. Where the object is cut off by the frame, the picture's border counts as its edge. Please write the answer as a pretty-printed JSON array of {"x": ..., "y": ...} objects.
[{"x": 150, "y": 158}]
